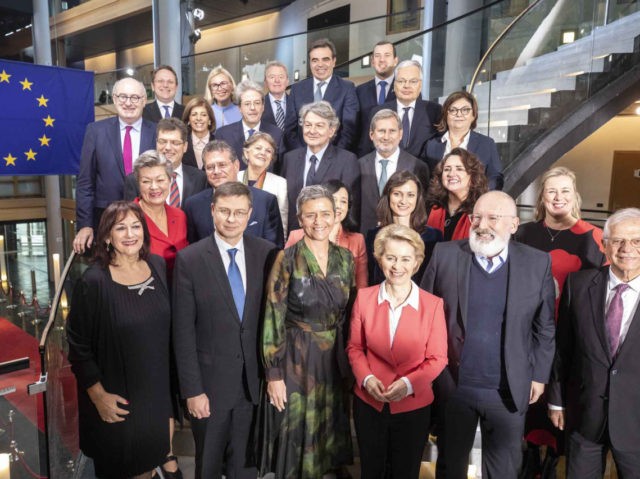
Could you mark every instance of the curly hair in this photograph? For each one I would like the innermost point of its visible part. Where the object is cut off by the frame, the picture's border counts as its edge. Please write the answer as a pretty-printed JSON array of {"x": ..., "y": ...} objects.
[{"x": 383, "y": 210}]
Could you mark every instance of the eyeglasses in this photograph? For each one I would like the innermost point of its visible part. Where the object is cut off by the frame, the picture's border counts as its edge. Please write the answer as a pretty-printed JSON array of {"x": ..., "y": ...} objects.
[
  {"x": 618, "y": 242},
  {"x": 254, "y": 104},
  {"x": 217, "y": 166},
  {"x": 491, "y": 219},
  {"x": 226, "y": 213},
  {"x": 134, "y": 99},
  {"x": 464, "y": 111},
  {"x": 163, "y": 142},
  {"x": 216, "y": 86},
  {"x": 412, "y": 82}
]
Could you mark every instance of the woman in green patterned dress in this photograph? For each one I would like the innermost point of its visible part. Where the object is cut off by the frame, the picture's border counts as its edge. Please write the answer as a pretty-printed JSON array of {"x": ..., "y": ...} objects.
[{"x": 304, "y": 420}]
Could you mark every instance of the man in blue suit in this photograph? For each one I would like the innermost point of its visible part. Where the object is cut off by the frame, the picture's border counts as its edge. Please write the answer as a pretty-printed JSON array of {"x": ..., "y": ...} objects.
[
  {"x": 323, "y": 85},
  {"x": 276, "y": 80},
  {"x": 221, "y": 166},
  {"x": 110, "y": 146},
  {"x": 251, "y": 102}
]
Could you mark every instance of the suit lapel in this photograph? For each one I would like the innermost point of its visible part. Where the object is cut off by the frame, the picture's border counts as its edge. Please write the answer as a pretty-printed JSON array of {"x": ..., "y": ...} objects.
[
  {"x": 597, "y": 299},
  {"x": 325, "y": 164},
  {"x": 464, "y": 263},
  {"x": 220, "y": 275},
  {"x": 187, "y": 183},
  {"x": 253, "y": 265},
  {"x": 116, "y": 144},
  {"x": 405, "y": 162},
  {"x": 332, "y": 91},
  {"x": 369, "y": 178},
  {"x": 633, "y": 334},
  {"x": 473, "y": 142},
  {"x": 419, "y": 120},
  {"x": 517, "y": 270}
]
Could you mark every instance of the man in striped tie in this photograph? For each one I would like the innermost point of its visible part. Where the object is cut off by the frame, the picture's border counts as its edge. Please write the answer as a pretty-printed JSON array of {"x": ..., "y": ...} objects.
[{"x": 276, "y": 79}]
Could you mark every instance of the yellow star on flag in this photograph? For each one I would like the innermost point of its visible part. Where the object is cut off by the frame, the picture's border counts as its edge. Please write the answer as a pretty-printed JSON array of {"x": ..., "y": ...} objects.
[
  {"x": 44, "y": 141},
  {"x": 31, "y": 155},
  {"x": 4, "y": 76},
  {"x": 10, "y": 159},
  {"x": 26, "y": 84},
  {"x": 42, "y": 101},
  {"x": 48, "y": 121}
]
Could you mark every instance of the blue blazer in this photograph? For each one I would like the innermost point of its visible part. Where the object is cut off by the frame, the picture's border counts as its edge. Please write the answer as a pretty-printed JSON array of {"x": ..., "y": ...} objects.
[
  {"x": 342, "y": 96},
  {"x": 233, "y": 134},
  {"x": 264, "y": 222},
  {"x": 368, "y": 100},
  {"x": 101, "y": 176},
  {"x": 480, "y": 145}
]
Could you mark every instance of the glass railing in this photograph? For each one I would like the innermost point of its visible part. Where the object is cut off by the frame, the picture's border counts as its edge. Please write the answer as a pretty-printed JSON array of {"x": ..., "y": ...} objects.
[{"x": 534, "y": 87}]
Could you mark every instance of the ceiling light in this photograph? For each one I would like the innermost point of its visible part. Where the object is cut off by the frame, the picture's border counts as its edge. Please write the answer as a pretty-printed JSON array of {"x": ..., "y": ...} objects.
[
  {"x": 198, "y": 13},
  {"x": 130, "y": 71}
]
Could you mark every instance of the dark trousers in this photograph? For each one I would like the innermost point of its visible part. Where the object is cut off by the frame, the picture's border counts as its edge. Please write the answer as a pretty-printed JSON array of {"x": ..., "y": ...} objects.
[
  {"x": 225, "y": 431},
  {"x": 587, "y": 459},
  {"x": 390, "y": 440},
  {"x": 501, "y": 425}
]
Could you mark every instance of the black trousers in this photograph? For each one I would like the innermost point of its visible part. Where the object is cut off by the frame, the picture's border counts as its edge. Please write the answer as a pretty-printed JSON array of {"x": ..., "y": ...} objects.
[
  {"x": 390, "y": 440},
  {"x": 501, "y": 425},
  {"x": 587, "y": 459}
]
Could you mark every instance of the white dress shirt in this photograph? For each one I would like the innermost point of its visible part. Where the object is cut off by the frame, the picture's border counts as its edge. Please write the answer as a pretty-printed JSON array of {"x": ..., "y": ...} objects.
[
  {"x": 447, "y": 143},
  {"x": 386, "y": 88},
  {"x": 198, "y": 146},
  {"x": 400, "y": 111},
  {"x": 246, "y": 129},
  {"x": 392, "y": 166},
  {"x": 223, "y": 246},
  {"x": 274, "y": 106},
  {"x": 629, "y": 301},
  {"x": 307, "y": 163},
  {"x": 323, "y": 89},
  {"x": 162, "y": 105},
  {"x": 135, "y": 134}
]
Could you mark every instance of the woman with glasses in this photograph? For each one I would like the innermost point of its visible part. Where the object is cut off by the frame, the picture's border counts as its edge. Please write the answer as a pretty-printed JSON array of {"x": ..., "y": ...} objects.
[
  {"x": 219, "y": 92},
  {"x": 573, "y": 245},
  {"x": 459, "y": 119},
  {"x": 201, "y": 123},
  {"x": 457, "y": 182}
]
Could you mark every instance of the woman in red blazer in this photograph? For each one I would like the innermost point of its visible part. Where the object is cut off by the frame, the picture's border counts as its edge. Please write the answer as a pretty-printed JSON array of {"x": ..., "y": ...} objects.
[
  {"x": 457, "y": 182},
  {"x": 397, "y": 347}
]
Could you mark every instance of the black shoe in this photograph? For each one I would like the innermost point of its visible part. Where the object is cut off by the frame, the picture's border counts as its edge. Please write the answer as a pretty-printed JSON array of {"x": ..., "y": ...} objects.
[{"x": 168, "y": 474}]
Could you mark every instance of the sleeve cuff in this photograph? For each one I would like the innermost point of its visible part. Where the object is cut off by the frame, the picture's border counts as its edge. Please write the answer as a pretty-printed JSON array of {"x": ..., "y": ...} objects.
[
  {"x": 409, "y": 386},
  {"x": 364, "y": 381},
  {"x": 553, "y": 407}
]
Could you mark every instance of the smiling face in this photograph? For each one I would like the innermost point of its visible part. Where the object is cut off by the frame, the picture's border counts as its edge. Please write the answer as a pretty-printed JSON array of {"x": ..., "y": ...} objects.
[
  {"x": 623, "y": 256},
  {"x": 251, "y": 107},
  {"x": 259, "y": 155},
  {"x": 493, "y": 222},
  {"x": 341, "y": 200},
  {"x": 398, "y": 262},
  {"x": 403, "y": 199},
  {"x": 164, "y": 86},
  {"x": 386, "y": 136},
  {"x": 171, "y": 145},
  {"x": 219, "y": 167},
  {"x": 558, "y": 197},
  {"x": 127, "y": 236},
  {"x": 383, "y": 61},
  {"x": 221, "y": 88},
  {"x": 154, "y": 185},
  {"x": 276, "y": 80},
  {"x": 129, "y": 106},
  {"x": 460, "y": 116},
  {"x": 407, "y": 84},
  {"x": 322, "y": 62},
  {"x": 317, "y": 219},
  {"x": 455, "y": 178},
  {"x": 199, "y": 120},
  {"x": 316, "y": 131},
  {"x": 231, "y": 216}
]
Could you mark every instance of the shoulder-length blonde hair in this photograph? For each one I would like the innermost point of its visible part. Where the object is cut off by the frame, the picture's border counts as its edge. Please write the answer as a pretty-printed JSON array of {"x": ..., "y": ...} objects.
[
  {"x": 541, "y": 212},
  {"x": 217, "y": 71}
]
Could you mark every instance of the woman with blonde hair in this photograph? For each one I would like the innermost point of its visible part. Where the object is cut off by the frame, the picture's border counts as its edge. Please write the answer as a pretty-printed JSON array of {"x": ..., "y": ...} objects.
[{"x": 219, "y": 92}]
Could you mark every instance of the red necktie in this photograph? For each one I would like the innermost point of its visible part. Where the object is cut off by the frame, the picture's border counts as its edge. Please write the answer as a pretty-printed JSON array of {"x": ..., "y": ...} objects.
[
  {"x": 174, "y": 195},
  {"x": 127, "y": 153}
]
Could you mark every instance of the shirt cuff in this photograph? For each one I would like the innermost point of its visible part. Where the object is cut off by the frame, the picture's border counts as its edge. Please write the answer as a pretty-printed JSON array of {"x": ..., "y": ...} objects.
[
  {"x": 409, "y": 386},
  {"x": 553, "y": 407},
  {"x": 364, "y": 381}
]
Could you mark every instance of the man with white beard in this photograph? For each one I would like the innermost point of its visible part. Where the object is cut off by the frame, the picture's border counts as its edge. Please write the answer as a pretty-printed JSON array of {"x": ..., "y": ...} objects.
[{"x": 499, "y": 306}]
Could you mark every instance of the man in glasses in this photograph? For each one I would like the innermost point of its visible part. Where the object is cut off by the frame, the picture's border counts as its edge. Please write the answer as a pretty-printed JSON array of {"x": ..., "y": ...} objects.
[
  {"x": 110, "y": 146},
  {"x": 164, "y": 83},
  {"x": 499, "y": 304}
]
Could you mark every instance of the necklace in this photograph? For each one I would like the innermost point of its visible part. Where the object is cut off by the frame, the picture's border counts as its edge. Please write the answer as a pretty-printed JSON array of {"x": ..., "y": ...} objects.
[{"x": 551, "y": 235}]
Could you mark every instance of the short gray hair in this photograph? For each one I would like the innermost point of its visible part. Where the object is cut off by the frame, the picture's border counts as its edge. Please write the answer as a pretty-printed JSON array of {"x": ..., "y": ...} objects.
[
  {"x": 619, "y": 216},
  {"x": 384, "y": 115},
  {"x": 245, "y": 86},
  {"x": 313, "y": 192},
  {"x": 139, "y": 84},
  {"x": 323, "y": 109},
  {"x": 408, "y": 63},
  {"x": 273, "y": 64},
  {"x": 150, "y": 159}
]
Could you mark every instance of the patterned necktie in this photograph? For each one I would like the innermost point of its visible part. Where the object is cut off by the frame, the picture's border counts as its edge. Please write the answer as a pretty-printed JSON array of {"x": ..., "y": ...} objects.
[
  {"x": 489, "y": 265},
  {"x": 311, "y": 174},
  {"x": 614, "y": 318},
  {"x": 127, "y": 151},
  {"x": 250, "y": 132},
  {"x": 318, "y": 94},
  {"x": 279, "y": 114},
  {"x": 383, "y": 175},
  {"x": 235, "y": 281},
  {"x": 383, "y": 93},
  {"x": 174, "y": 195},
  {"x": 167, "y": 113},
  {"x": 406, "y": 127}
]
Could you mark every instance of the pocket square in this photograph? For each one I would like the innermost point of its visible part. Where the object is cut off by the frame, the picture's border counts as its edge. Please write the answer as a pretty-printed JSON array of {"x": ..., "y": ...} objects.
[{"x": 253, "y": 223}]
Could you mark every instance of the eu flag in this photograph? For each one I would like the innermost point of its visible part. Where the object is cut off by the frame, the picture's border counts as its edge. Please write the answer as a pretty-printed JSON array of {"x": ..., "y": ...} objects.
[{"x": 44, "y": 112}]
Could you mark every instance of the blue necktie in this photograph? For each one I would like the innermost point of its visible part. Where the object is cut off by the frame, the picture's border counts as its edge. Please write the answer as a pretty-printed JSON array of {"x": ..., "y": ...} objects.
[
  {"x": 383, "y": 93},
  {"x": 317, "y": 96},
  {"x": 235, "y": 281},
  {"x": 250, "y": 132},
  {"x": 406, "y": 127},
  {"x": 167, "y": 113}
]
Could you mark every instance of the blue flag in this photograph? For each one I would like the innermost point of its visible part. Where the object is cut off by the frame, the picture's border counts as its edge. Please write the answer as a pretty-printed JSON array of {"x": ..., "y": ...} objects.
[{"x": 43, "y": 114}]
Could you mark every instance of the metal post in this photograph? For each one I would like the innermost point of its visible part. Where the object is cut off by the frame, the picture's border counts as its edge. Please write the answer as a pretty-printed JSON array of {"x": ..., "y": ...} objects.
[
  {"x": 166, "y": 39},
  {"x": 427, "y": 43}
]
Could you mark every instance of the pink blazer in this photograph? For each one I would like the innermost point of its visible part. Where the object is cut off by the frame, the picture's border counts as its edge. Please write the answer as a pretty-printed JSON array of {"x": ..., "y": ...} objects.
[
  {"x": 354, "y": 242},
  {"x": 419, "y": 349}
]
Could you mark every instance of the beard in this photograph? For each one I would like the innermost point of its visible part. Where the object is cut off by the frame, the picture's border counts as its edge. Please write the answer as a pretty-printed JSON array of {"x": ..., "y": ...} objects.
[{"x": 487, "y": 247}]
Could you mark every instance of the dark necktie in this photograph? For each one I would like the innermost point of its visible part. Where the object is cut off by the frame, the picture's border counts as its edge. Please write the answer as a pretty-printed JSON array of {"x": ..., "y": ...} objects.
[
  {"x": 614, "y": 318},
  {"x": 235, "y": 281},
  {"x": 383, "y": 92},
  {"x": 383, "y": 175},
  {"x": 406, "y": 127},
  {"x": 250, "y": 132},
  {"x": 127, "y": 151},
  {"x": 279, "y": 115},
  {"x": 318, "y": 94},
  {"x": 167, "y": 113},
  {"x": 174, "y": 194},
  {"x": 311, "y": 174}
]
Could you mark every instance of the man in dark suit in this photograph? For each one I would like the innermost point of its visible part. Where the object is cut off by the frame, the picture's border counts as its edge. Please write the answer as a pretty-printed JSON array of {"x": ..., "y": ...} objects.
[
  {"x": 251, "y": 103},
  {"x": 377, "y": 166},
  {"x": 319, "y": 160},
  {"x": 172, "y": 143},
  {"x": 110, "y": 146},
  {"x": 378, "y": 90},
  {"x": 418, "y": 116},
  {"x": 596, "y": 370},
  {"x": 164, "y": 83},
  {"x": 218, "y": 286},
  {"x": 499, "y": 305},
  {"x": 276, "y": 80},
  {"x": 221, "y": 166},
  {"x": 323, "y": 85}
]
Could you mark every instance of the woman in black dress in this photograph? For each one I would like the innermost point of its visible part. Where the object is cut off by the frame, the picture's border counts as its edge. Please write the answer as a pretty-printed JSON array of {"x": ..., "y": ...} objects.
[{"x": 118, "y": 333}]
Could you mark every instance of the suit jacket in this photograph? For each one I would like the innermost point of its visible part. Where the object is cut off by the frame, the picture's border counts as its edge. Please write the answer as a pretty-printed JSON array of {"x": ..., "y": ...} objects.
[
  {"x": 193, "y": 181},
  {"x": 101, "y": 176},
  {"x": 264, "y": 221},
  {"x": 216, "y": 350},
  {"x": 606, "y": 388},
  {"x": 233, "y": 134},
  {"x": 370, "y": 196},
  {"x": 529, "y": 317},
  {"x": 368, "y": 99},
  {"x": 419, "y": 350},
  {"x": 276, "y": 185},
  {"x": 189, "y": 157},
  {"x": 480, "y": 145},
  {"x": 425, "y": 116},
  {"x": 336, "y": 164},
  {"x": 269, "y": 115},
  {"x": 342, "y": 96},
  {"x": 152, "y": 111}
]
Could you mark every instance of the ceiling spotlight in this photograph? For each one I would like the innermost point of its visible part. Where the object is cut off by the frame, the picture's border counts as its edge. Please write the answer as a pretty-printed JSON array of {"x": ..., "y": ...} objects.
[
  {"x": 195, "y": 36},
  {"x": 198, "y": 13},
  {"x": 130, "y": 71}
]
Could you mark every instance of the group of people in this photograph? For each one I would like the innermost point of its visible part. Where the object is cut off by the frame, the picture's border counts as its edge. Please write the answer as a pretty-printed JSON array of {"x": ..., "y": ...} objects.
[{"x": 401, "y": 301}]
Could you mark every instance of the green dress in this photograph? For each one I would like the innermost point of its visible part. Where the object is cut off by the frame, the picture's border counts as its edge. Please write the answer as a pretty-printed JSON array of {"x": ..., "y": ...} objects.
[{"x": 303, "y": 344}]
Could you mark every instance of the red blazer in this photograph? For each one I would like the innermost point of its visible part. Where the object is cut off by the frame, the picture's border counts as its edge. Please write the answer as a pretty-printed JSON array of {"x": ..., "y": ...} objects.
[
  {"x": 436, "y": 220},
  {"x": 354, "y": 242},
  {"x": 419, "y": 349}
]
